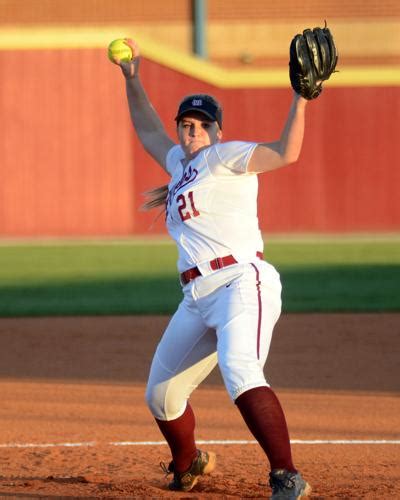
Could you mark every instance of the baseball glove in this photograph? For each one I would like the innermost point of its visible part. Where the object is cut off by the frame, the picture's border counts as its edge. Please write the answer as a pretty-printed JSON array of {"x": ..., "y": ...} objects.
[{"x": 313, "y": 58}]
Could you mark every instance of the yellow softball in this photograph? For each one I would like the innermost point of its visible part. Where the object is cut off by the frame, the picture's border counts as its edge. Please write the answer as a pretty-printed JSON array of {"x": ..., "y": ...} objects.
[{"x": 118, "y": 49}]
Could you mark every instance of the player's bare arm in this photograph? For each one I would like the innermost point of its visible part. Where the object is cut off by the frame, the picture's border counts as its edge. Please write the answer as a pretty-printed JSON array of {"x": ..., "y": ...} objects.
[
  {"x": 145, "y": 119},
  {"x": 312, "y": 60},
  {"x": 270, "y": 156}
]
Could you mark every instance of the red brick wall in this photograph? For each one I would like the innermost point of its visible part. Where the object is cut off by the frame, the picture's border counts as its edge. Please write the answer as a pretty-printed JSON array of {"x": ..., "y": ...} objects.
[
  {"x": 70, "y": 164},
  {"x": 300, "y": 9},
  {"x": 92, "y": 11},
  {"x": 126, "y": 11}
]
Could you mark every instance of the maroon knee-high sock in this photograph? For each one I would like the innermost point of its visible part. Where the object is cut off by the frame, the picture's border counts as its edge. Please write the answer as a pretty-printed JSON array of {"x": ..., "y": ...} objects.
[
  {"x": 179, "y": 434},
  {"x": 263, "y": 414}
]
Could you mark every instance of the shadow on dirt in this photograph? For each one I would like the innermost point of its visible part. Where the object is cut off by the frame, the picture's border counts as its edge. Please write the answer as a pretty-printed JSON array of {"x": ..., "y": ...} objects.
[{"x": 309, "y": 351}]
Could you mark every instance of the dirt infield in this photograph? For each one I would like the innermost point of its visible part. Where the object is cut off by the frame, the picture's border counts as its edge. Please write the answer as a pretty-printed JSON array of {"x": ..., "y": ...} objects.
[{"x": 73, "y": 423}]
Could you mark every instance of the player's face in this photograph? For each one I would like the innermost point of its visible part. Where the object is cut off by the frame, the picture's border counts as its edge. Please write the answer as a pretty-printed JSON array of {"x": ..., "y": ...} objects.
[{"x": 196, "y": 132}]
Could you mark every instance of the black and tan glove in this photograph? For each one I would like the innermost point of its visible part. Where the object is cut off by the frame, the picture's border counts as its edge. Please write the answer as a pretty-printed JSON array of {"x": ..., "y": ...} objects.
[{"x": 313, "y": 58}]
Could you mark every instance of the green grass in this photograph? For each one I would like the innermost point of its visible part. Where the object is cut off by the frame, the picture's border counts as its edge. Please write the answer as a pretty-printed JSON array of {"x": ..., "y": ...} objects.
[{"x": 133, "y": 277}]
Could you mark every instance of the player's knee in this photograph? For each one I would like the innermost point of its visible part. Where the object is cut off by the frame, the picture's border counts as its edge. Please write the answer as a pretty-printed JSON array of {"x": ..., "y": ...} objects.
[
  {"x": 154, "y": 401},
  {"x": 163, "y": 402}
]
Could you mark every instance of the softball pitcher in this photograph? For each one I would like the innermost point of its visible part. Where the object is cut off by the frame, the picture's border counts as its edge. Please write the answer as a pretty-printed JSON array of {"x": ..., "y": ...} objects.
[{"x": 231, "y": 295}]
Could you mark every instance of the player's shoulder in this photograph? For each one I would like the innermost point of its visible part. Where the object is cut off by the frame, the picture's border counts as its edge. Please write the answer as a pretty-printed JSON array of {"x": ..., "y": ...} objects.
[
  {"x": 234, "y": 155},
  {"x": 174, "y": 157},
  {"x": 233, "y": 148},
  {"x": 229, "y": 145}
]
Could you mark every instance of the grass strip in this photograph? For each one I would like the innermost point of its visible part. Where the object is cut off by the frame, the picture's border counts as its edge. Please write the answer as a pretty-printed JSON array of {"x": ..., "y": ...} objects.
[{"x": 141, "y": 278}]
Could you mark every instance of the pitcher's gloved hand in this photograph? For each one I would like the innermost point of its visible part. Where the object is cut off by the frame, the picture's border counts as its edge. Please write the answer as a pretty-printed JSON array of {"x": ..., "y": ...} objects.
[{"x": 313, "y": 58}]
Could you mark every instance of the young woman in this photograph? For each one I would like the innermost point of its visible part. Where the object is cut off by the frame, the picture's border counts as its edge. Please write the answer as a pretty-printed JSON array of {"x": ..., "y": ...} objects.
[{"x": 231, "y": 296}]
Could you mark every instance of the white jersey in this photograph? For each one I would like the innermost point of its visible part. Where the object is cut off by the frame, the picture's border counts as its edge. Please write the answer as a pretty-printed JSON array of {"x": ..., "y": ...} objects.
[{"x": 211, "y": 209}]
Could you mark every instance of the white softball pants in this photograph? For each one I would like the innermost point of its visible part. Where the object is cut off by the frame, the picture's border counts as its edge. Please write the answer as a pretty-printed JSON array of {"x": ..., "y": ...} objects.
[{"x": 226, "y": 317}]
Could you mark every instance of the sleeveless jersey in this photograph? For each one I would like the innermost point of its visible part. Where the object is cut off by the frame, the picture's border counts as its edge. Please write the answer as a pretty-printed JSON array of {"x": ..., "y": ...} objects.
[{"x": 211, "y": 208}]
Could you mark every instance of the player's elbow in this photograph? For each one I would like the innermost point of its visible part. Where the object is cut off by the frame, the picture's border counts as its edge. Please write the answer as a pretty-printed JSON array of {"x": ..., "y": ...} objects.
[
  {"x": 285, "y": 160},
  {"x": 290, "y": 154},
  {"x": 290, "y": 158}
]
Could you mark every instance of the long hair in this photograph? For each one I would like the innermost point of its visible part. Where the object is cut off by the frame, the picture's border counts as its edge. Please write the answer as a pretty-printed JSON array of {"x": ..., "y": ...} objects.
[{"x": 155, "y": 198}]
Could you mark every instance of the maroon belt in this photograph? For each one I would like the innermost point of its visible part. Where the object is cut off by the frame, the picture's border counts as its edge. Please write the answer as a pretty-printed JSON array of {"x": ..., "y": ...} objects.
[{"x": 215, "y": 264}]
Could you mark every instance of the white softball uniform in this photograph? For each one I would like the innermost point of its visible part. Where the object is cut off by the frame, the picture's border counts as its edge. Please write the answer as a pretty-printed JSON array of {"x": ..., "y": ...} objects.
[{"x": 227, "y": 313}]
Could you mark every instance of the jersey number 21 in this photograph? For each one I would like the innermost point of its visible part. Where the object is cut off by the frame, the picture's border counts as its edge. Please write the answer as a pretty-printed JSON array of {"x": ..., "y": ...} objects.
[{"x": 187, "y": 212}]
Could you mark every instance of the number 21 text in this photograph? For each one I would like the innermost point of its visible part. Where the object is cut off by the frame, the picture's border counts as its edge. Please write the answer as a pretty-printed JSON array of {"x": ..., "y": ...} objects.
[{"x": 187, "y": 211}]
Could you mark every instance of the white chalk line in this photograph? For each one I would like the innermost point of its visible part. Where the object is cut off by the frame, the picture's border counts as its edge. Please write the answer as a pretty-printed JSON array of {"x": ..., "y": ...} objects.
[{"x": 206, "y": 442}]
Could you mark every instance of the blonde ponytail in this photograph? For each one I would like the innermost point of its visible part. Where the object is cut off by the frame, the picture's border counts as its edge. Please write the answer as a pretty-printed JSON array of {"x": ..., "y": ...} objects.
[{"x": 155, "y": 198}]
